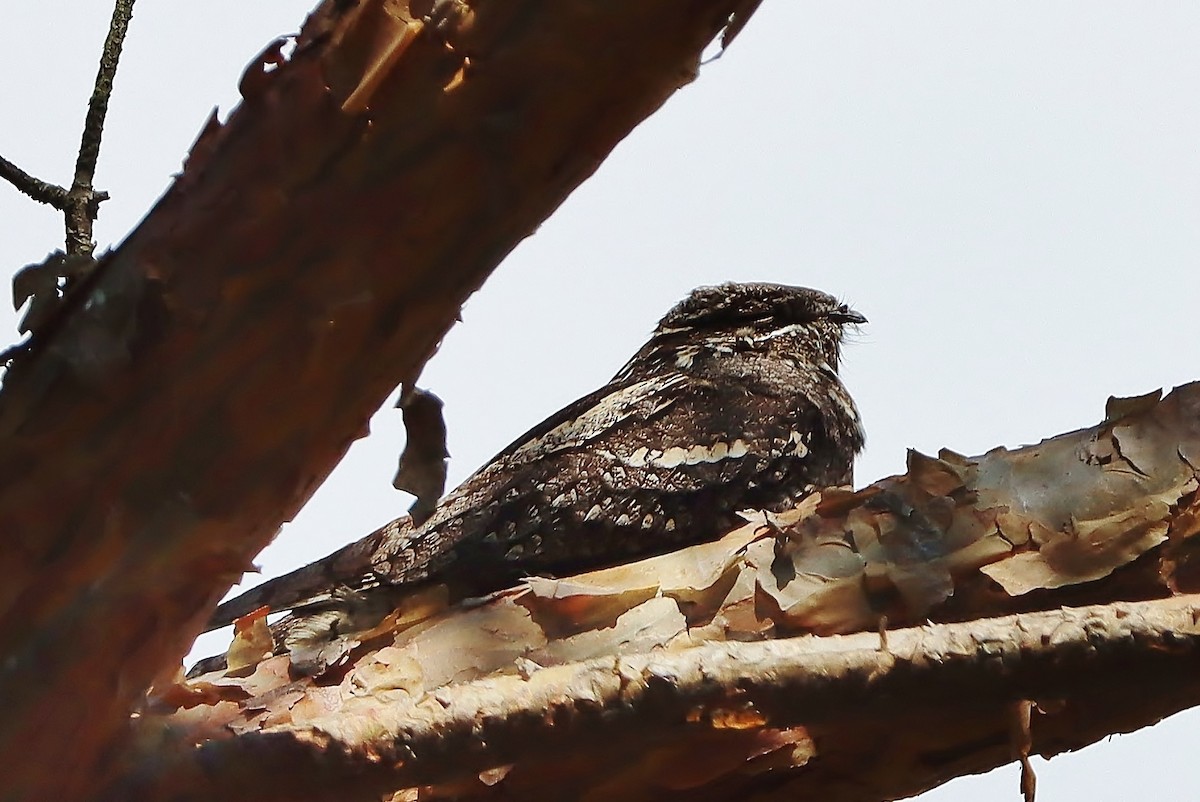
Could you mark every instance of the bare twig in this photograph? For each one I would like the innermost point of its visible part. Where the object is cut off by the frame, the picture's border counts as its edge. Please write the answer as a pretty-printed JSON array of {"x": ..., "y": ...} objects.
[
  {"x": 40, "y": 191},
  {"x": 83, "y": 201},
  {"x": 80, "y": 203}
]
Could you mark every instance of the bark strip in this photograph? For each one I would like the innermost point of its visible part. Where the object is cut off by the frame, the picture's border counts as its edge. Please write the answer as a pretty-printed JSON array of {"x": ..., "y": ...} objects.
[{"x": 878, "y": 718}]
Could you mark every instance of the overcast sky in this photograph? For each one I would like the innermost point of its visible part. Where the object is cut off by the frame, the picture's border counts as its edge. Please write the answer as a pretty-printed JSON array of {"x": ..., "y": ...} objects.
[{"x": 1009, "y": 191}]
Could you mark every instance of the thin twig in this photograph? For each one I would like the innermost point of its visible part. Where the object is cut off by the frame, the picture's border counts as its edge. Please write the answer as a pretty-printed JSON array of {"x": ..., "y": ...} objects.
[
  {"x": 40, "y": 191},
  {"x": 82, "y": 200}
]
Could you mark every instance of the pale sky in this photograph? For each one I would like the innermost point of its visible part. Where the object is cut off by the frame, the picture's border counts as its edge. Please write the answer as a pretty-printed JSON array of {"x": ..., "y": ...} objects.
[{"x": 1009, "y": 191}]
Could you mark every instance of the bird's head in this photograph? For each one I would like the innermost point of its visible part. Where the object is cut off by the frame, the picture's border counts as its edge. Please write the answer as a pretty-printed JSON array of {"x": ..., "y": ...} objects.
[{"x": 759, "y": 316}]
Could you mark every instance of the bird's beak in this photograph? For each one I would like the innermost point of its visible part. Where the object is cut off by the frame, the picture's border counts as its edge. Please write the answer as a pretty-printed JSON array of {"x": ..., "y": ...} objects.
[{"x": 846, "y": 315}]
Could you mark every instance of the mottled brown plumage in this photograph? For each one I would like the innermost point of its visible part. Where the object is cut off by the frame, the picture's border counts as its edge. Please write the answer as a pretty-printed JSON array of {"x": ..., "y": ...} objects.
[{"x": 734, "y": 403}]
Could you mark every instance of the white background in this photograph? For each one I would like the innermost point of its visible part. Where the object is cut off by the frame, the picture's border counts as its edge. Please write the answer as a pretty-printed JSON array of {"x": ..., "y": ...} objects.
[{"x": 1009, "y": 191}]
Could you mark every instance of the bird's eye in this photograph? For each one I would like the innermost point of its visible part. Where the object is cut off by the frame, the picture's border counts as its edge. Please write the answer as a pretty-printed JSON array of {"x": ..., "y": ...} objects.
[{"x": 799, "y": 311}]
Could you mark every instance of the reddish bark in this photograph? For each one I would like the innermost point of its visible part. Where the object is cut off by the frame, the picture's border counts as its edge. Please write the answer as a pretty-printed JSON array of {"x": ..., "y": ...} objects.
[{"x": 309, "y": 258}]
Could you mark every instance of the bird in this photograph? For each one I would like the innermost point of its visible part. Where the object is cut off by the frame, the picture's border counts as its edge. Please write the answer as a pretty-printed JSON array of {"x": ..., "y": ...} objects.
[{"x": 734, "y": 402}]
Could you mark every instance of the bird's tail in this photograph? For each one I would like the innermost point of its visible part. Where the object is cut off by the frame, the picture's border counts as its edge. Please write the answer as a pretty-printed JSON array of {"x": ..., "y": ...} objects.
[{"x": 314, "y": 583}]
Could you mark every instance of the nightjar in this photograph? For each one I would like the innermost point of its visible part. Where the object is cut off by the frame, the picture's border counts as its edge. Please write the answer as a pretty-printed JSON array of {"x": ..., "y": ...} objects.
[{"x": 734, "y": 403}]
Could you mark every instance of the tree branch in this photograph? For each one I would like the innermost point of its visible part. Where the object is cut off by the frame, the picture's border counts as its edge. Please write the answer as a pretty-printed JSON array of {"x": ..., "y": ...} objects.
[
  {"x": 599, "y": 684},
  {"x": 82, "y": 200},
  {"x": 314, "y": 251},
  {"x": 874, "y": 717},
  {"x": 80, "y": 203},
  {"x": 40, "y": 191}
]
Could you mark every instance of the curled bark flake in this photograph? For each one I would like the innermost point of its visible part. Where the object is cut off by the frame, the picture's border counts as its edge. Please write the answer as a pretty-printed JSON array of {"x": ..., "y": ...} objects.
[{"x": 424, "y": 462}]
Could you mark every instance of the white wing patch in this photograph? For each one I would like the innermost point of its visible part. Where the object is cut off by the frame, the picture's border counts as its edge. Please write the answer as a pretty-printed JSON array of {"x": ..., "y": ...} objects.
[{"x": 675, "y": 456}]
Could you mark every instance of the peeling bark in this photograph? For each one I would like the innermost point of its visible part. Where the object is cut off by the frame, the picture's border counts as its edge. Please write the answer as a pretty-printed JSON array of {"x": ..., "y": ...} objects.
[
  {"x": 877, "y": 722},
  {"x": 191, "y": 392},
  {"x": 642, "y": 681}
]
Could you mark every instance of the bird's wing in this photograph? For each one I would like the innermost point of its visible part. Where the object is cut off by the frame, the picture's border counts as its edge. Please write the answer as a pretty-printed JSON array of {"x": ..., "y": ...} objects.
[
  {"x": 397, "y": 553},
  {"x": 651, "y": 483},
  {"x": 315, "y": 583}
]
